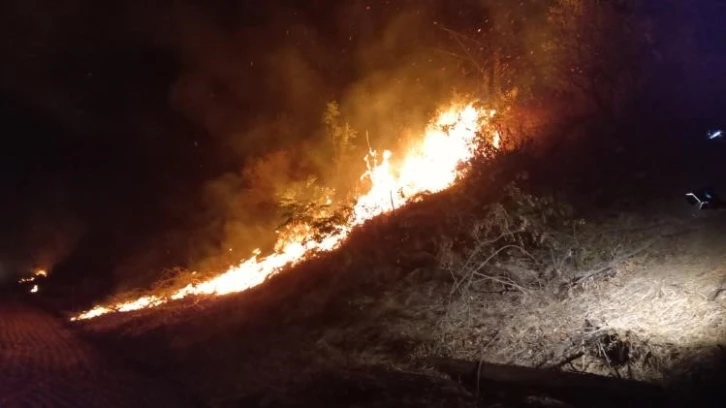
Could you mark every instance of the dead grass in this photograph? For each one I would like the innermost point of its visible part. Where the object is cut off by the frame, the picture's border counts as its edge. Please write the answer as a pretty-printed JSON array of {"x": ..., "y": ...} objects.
[
  {"x": 503, "y": 277},
  {"x": 647, "y": 318}
]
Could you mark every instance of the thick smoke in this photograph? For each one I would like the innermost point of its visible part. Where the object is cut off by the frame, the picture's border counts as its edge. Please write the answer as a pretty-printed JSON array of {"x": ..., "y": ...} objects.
[
  {"x": 183, "y": 130},
  {"x": 263, "y": 91}
]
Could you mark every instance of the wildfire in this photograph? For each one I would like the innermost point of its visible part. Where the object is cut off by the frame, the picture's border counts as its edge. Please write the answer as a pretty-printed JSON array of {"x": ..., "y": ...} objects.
[
  {"x": 38, "y": 273},
  {"x": 428, "y": 167}
]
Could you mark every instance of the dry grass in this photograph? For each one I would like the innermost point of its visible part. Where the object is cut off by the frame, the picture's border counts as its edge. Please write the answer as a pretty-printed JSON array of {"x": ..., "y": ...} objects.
[
  {"x": 647, "y": 318},
  {"x": 520, "y": 280}
]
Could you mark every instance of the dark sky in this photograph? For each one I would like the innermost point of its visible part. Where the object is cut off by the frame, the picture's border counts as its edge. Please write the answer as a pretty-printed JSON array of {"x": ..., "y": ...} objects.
[
  {"x": 115, "y": 116},
  {"x": 93, "y": 152}
]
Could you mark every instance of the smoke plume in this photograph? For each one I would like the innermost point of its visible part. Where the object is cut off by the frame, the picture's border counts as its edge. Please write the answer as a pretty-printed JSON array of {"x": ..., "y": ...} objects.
[{"x": 275, "y": 93}]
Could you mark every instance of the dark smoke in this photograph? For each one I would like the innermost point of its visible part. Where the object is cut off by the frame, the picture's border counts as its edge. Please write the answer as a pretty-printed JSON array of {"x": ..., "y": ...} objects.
[
  {"x": 178, "y": 130},
  {"x": 179, "y": 127},
  {"x": 261, "y": 90}
]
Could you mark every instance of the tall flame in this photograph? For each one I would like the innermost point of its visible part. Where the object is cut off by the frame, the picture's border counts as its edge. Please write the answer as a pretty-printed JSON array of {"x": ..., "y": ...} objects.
[{"x": 428, "y": 167}]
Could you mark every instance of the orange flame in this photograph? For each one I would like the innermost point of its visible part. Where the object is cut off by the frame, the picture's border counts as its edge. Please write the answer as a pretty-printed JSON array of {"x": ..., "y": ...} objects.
[
  {"x": 42, "y": 273},
  {"x": 429, "y": 167}
]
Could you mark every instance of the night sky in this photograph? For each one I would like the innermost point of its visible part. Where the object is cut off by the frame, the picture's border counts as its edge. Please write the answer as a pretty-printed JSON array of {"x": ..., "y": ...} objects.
[
  {"x": 116, "y": 116},
  {"x": 95, "y": 158}
]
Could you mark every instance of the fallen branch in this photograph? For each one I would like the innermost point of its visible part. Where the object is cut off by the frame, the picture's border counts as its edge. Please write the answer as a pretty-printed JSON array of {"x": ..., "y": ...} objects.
[
  {"x": 578, "y": 388},
  {"x": 567, "y": 360}
]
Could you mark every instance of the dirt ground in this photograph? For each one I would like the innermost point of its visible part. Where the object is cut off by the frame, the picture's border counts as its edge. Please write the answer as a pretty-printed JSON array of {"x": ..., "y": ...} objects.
[{"x": 45, "y": 364}]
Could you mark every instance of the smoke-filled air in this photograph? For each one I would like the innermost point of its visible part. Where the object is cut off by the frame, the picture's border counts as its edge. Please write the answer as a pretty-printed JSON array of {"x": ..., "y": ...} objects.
[
  {"x": 314, "y": 120},
  {"x": 363, "y": 203}
]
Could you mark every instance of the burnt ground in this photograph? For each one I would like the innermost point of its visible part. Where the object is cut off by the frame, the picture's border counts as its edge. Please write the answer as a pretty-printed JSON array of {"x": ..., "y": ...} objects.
[{"x": 44, "y": 363}]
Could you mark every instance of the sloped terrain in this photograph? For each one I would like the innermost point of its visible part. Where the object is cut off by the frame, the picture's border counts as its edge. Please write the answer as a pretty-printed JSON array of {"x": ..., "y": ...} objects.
[
  {"x": 495, "y": 269},
  {"x": 356, "y": 337}
]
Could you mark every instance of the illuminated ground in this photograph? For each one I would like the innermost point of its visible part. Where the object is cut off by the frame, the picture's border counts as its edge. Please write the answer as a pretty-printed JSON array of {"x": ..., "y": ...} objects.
[
  {"x": 45, "y": 364},
  {"x": 649, "y": 306},
  {"x": 353, "y": 317},
  {"x": 670, "y": 302}
]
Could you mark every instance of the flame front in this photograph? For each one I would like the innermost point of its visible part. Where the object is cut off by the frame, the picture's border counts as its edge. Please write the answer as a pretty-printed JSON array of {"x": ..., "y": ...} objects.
[{"x": 428, "y": 167}]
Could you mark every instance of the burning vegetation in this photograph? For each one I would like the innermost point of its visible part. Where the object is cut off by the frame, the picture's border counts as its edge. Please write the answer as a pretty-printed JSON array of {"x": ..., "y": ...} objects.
[
  {"x": 32, "y": 280},
  {"x": 348, "y": 218},
  {"x": 431, "y": 165}
]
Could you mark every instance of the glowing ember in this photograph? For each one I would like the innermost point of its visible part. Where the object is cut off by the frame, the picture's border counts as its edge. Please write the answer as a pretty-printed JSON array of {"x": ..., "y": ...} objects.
[
  {"x": 428, "y": 167},
  {"x": 34, "y": 289},
  {"x": 38, "y": 273}
]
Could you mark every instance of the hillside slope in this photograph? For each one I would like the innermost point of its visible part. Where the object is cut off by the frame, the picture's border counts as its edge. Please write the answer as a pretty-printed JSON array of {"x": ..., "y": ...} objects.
[{"x": 629, "y": 288}]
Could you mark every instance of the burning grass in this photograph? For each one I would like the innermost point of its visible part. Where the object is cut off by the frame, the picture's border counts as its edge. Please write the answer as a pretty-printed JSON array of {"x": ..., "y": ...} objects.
[
  {"x": 499, "y": 284},
  {"x": 393, "y": 295},
  {"x": 431, "y": 165},
  {"x": 482, "y": 271}
]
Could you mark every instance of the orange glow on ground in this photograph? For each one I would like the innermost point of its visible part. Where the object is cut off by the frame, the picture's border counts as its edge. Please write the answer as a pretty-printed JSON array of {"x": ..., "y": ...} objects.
[{"x": 429, "y": 166}]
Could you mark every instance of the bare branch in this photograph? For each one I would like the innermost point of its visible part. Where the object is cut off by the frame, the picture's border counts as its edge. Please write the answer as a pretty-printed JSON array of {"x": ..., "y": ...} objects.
[{"x": 468, "y": 276}]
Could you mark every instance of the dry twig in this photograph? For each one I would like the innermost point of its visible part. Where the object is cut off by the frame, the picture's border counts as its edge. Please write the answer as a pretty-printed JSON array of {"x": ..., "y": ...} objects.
[
  {"x": 468, "y": 276},
  {"x": 582, "y": 276}
]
